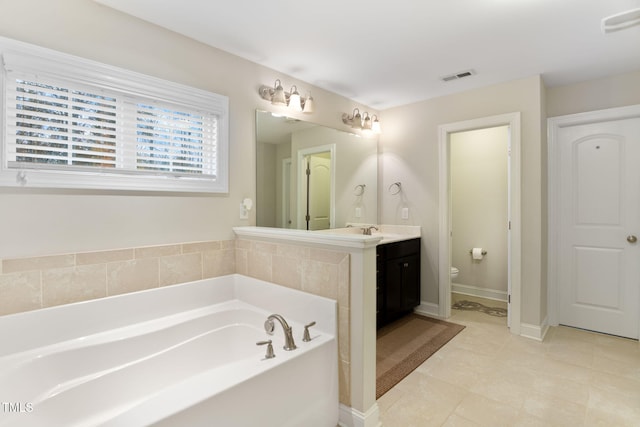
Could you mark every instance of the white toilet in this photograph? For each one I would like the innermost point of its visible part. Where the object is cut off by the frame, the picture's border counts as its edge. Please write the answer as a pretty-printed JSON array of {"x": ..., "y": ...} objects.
[{"x": 454, "y": 273}]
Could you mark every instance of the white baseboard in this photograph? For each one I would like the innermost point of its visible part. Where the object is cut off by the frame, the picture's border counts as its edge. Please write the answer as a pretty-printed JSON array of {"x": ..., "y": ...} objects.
[
  {"x": 350, "y": 417},
  {"x": 535, "y": 332},
  {"x": 476, "y": 291},
  {"x": 428, "y": 309}
]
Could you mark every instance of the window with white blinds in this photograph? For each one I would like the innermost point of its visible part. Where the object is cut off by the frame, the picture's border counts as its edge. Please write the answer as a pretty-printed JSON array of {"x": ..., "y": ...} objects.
[{"x": 72, "y": 123}]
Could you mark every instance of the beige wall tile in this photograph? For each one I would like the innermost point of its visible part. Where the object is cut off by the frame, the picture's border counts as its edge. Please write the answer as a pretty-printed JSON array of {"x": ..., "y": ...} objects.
[
  {"x": 37, "y": 263},
  {"x": 331, "y": 257},
  {"x": 244, "y": 244},
  {"x": 263, "y": 247},
  {"x": 287, "y": 272},
  {"x": 20, "y": 292},
  {"x": 259, "y": 265},
  {"x": 101, "y": 257},
  {"x": 293, "y": 251},
  {"x": 242, "y": 261},
  {"x": 320, "y": 278},
  {"x": 131, "y": 276},
  {"x": 157, "y": 251},
  {"x": 200, "y": 247},
  {"x": 73, "y": 284},
  {"x": 344, "y": 381},
  {"x": 219, "y": 263},
  {"x": 344, "y": 281},
  {"x": 344, "y": 333},
  {"x": 180, "y": 268},
  {"x": 227, "y": 244}
]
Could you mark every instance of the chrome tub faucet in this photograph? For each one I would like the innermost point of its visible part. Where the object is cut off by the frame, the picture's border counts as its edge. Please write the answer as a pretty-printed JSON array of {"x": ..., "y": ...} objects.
[{"x": 269, "y": 326}]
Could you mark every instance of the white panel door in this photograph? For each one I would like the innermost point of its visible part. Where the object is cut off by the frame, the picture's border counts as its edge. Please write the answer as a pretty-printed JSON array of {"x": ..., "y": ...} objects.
[{"x": 599, "y": 218}]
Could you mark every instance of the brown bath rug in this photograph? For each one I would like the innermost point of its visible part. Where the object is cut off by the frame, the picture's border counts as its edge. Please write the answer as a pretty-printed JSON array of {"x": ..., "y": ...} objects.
[{"x": 403, "y": 345}]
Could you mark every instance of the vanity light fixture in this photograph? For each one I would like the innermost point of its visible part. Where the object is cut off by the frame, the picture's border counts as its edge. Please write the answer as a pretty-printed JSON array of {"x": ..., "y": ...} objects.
[
  {"x": 362, "y": 121},
  {"x": 279, "y": 97}
]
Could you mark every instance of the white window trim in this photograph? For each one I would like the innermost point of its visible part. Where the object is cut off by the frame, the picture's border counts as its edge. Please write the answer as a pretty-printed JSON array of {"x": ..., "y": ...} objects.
[{"x": 67, "y": 67}]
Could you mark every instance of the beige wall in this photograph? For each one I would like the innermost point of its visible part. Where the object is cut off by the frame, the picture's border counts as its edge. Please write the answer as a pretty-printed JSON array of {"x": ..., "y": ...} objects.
[
  {"x": 609, "y": 92},
  {"x": 43, "y": 222},
  {"x": 409, "y": 154},
  {"x": 479, "y": 206}
]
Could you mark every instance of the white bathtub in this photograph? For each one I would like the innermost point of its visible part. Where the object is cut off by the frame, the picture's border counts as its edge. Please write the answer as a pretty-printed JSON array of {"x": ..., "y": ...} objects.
[{"x": 183, "y": 355}]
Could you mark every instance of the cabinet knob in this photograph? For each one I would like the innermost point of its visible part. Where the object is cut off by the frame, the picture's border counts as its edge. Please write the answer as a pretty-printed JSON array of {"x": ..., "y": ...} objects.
[{"x": 406, "y": 264}]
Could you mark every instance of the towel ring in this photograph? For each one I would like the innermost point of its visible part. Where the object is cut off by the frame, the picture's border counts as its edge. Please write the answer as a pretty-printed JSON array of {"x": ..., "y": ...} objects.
[
  {"x": 359, "y": 189},
  {"x": 397, "y": 189}
]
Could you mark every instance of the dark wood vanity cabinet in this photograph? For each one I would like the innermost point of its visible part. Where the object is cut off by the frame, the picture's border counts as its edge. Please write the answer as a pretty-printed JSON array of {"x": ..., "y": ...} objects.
[{"x": 397, "y": 279}]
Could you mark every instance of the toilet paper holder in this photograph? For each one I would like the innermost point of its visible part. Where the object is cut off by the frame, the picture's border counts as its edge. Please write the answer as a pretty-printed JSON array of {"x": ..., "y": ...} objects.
[{"x": 484, "y": 252}]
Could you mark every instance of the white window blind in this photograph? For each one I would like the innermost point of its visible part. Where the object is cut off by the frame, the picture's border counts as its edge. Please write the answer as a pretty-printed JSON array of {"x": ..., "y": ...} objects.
[{"x": 73, "y": 123}]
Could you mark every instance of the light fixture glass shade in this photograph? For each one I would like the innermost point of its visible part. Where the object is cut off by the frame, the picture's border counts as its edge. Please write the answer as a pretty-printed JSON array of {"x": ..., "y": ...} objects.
[
  {"x": 278, "y": 97},
  {"x": 375, "y": 125},
  {"x": 366, "y": 122},
  {"x": 308, "y": 105},
  {"x": 295, "y": 102},
  {"x": 357, "y": 119}
]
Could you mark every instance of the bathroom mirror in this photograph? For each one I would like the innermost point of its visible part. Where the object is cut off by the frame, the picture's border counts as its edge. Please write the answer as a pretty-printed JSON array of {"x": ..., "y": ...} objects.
[{"x": 313, "y": 177}]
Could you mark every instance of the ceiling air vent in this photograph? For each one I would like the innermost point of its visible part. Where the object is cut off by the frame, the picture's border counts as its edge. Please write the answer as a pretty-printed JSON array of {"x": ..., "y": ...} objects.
[{"x": 456, "y": 76}]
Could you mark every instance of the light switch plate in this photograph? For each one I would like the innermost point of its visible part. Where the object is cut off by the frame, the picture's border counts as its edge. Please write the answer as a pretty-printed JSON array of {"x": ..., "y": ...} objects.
[{"x": 405, "y": 213}]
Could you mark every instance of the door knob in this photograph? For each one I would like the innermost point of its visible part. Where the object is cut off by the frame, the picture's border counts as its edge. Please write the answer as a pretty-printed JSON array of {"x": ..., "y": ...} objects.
[{"x": 632, "y": 239}]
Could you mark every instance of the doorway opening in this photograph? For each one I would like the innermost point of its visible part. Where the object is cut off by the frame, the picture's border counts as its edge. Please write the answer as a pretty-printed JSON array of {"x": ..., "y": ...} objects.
[
  {"x": 511, "y": 225},
  {"x": 479, "y": 219}
]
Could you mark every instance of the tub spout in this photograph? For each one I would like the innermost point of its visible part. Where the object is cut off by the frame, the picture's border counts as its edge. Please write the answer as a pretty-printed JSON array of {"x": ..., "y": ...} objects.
[{"x": 269, "y": 326}]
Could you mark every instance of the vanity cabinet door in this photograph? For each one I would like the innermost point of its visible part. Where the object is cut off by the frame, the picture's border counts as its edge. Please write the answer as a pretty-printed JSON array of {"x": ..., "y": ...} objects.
[
  {"x": 402, "y": 280},
  {"x": 398, "y": 279}
]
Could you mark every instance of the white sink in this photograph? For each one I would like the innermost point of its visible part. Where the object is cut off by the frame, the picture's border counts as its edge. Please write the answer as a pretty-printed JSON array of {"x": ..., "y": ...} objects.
[{"x": 389, "y": 233}]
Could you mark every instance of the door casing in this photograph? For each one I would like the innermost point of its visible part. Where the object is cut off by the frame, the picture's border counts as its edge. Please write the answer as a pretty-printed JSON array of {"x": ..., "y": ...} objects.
[{"x": 512, "y": 120}]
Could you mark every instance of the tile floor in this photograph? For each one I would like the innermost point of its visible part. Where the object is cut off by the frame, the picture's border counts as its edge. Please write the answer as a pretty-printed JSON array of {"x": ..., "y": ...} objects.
[{"x": 487, "y": 377}]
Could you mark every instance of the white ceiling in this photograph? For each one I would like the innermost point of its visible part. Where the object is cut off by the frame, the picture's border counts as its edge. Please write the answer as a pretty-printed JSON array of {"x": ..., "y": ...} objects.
[{"x": 384, "y": 53}]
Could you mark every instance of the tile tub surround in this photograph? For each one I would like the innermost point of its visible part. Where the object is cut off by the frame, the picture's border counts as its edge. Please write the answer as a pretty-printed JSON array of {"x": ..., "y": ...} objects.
[
  {"x": 356, "y": 327},
  {"x": 155, "y": 365},
  {"x": 317, "y": 271},
  {"x": 39, "y": 282}
]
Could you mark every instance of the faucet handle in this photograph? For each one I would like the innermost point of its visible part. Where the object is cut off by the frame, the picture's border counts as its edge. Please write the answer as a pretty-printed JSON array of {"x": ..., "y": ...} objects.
[
  {"x": 306, "y": 337},
  {"x": 270, "y": 354}
]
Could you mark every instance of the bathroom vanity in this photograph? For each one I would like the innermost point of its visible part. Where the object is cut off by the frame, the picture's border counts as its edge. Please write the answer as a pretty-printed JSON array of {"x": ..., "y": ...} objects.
[{"x": 397, "y": 279}]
